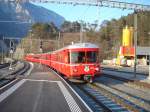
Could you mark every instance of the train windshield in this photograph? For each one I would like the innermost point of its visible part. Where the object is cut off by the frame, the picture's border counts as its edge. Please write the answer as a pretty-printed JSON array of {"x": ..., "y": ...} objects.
[
  {"x": 77, "y": 57},
  {"x": 83, "y": 57},
  {"x": 91, "y": 56}
]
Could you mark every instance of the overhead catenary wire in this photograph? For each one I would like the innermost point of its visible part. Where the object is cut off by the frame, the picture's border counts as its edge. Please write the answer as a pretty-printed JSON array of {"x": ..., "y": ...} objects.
[{"x": 100, "y": 3}]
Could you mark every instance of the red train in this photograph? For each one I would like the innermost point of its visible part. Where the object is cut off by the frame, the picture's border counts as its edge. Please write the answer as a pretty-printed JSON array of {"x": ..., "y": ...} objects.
[{"x": 77, "y": 61}]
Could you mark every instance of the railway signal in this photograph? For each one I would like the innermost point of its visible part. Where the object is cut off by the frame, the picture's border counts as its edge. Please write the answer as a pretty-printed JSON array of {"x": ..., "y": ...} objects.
[
  {"x": 11, "y": 47},
  {"x": 41, "y": 46},
  {"x": 11, "y": 53}
]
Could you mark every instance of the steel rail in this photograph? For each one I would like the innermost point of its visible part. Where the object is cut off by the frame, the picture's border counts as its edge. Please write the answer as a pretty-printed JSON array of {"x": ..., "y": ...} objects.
[
  {"x": 137, "y": 101},
  {"x": 98, "y": 103},
  {"x": 104, "y": 101},
  {"x": 5, "y": 65},
  {"x": 119, "y": 100}
]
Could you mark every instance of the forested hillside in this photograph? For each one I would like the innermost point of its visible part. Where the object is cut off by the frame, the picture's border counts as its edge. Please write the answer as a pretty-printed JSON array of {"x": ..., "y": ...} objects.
[
  {"x": 110, "y": 33},
  {"x": 108, "y": 37}
]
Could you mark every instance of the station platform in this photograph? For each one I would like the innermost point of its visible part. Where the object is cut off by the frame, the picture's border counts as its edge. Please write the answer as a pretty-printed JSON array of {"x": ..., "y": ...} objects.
[
  {"x": 126, "y": 75},
  {"x": 141, "y": 69},
  {"x": 42, "y": 91}
]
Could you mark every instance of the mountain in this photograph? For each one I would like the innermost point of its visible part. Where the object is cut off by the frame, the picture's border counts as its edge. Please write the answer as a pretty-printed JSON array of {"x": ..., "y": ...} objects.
[{"x": 17, "y": 18}]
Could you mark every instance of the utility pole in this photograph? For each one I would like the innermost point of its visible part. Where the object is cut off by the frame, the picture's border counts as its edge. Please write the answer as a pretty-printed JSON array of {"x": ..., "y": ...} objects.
[
  {"x": 41, "y": 45},
  {"x": 30, "y": 40},
  {"x": 135, "y": 42},
  {"x": 81, "y": 32},
  {"x": 58, "y": 40}
]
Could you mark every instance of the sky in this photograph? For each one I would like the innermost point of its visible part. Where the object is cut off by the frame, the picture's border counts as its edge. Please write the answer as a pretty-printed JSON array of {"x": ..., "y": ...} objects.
[{"x": 89, "y": 14}]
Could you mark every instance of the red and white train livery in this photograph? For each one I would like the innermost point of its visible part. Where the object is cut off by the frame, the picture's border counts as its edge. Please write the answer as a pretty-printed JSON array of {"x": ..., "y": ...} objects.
[{"x": 77, "y": 61}]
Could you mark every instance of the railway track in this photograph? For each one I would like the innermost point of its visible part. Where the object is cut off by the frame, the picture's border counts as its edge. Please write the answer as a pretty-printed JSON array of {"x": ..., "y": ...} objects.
[
  {"x": 101, "y": 99},
  {"x": 5, "y": 65},
  {"x": 101, "y": 103},
  {"x": 128, "y": 95},
  {"x": 132, "y": 82},
  {"x": 129, "y": 101},
  {"x": 95, "y": 104},
  {"x": 135, "y": 85},
  {"x": 7, "y": 78},
  {"x": 108, "y": 99}
]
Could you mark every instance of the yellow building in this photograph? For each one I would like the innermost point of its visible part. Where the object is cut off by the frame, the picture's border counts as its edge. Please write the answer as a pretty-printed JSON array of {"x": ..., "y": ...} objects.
[
  {"x": 127, "y": 37},
  {"x": 126, "y": 51}
]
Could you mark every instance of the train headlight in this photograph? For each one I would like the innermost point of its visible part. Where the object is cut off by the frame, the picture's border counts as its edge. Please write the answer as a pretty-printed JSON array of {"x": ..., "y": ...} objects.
[{"x": 97, "y": 68}]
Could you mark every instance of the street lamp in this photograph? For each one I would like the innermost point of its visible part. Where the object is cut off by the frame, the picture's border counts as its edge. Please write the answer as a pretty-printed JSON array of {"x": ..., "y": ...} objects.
[{"x": 135, "y": 42}]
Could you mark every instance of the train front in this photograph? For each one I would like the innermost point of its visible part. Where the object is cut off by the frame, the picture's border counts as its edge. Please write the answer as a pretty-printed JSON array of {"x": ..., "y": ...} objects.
[{"x": 84, "y": 63}]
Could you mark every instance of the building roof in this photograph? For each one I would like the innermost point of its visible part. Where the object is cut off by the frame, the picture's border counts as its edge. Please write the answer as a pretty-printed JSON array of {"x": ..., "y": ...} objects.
[
  {"x": 143, "y": 50},
  {"x": 81, "y": 45}
]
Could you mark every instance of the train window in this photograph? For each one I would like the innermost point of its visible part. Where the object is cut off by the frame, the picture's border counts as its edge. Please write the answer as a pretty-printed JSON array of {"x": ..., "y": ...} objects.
[
  {"x": 36, "y": 57},
  {"x": 68, "y": 57},
  {"x": 78, "y": 57},
  {"x": 91, "y": 56}
]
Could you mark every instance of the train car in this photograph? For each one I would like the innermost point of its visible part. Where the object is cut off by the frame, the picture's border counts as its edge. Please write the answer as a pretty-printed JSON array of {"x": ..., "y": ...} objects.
[{"x": 78, "y": 61}]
